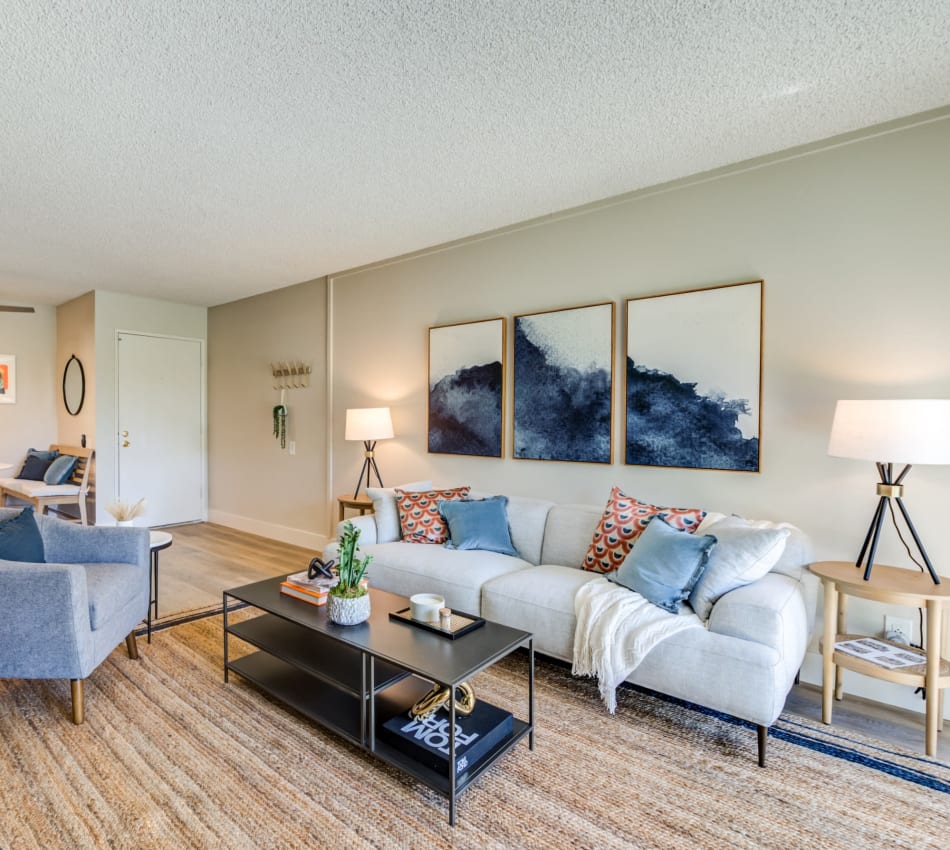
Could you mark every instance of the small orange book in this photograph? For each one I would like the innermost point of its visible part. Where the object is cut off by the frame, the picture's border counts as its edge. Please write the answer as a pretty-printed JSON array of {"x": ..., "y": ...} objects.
[{"x": 314, "y": 597}]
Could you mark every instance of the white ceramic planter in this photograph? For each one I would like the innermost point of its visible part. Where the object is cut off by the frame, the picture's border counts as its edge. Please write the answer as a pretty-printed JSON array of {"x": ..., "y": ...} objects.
[{"x": 346, "y": 611}]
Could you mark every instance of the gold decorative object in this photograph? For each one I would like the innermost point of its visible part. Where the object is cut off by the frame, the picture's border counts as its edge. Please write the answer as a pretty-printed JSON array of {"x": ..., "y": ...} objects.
[{"x": 439, "y": 697}]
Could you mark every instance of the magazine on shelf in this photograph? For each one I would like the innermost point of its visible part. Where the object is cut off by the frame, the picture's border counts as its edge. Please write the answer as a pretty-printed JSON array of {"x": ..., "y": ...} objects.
[{"x": 882, "y": 653}]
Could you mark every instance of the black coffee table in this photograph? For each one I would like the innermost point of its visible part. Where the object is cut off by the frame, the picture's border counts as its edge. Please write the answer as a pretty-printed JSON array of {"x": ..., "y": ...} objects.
[{"x": 351, "y": 679}]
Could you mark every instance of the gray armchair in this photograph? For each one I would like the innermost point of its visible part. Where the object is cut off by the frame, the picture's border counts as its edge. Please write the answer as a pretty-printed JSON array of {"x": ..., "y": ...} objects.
[{"x": 59, "y": 620}]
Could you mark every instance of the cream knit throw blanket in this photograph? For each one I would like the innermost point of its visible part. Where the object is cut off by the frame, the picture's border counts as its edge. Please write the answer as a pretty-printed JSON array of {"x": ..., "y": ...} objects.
[{"x": 616, "y": 628}]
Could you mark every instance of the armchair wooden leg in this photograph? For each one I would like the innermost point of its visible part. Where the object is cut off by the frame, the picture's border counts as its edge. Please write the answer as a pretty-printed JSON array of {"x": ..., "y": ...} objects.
[
  {"x": 132, "y": 646},
  {"x": 763, "y": 737},
  {"x": 79, "y": 700}
]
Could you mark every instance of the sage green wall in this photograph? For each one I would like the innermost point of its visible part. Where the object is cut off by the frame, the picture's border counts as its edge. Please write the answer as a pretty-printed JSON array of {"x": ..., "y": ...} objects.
[
  {"x": 254, "y": 484},
  {"x": 852, "y": 242}
]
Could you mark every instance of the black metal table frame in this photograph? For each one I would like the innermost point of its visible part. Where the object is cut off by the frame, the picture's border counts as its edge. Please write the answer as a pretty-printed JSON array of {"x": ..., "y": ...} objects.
[
  {"x": 367, "y": 739},
  {"x": 153, "y": 586}
]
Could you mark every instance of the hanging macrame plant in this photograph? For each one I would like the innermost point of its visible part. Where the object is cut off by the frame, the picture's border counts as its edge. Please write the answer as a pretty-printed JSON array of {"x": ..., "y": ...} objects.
[{"x": 280, "y": 424}]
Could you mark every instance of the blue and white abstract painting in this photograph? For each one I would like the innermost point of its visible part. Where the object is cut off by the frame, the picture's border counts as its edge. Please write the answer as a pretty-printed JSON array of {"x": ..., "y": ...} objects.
[
  {"x": 467, "y": 388},
  {"x": 564, "y": 384},
  {"x": 694, "y": 378}
]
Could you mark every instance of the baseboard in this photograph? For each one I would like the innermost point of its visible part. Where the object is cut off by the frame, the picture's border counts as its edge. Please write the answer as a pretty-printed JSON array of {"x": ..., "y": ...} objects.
[{"x": 285, "y": 534}]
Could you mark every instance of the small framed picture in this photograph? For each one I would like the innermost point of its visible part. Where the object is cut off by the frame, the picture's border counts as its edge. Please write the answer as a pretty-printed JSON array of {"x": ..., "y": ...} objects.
[{"x": 7, "y": 379}]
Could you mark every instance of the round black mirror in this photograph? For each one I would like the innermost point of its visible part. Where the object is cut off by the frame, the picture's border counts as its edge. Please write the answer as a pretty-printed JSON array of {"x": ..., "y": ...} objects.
[{"x": 74, "y": 385}]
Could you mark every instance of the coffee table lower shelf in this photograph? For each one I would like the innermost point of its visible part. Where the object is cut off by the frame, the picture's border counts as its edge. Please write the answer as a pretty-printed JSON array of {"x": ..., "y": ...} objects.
[{"x": 328, "y": 682}]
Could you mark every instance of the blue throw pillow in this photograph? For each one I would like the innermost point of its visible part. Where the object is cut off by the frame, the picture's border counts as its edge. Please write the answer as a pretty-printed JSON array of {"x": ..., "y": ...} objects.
[
  {"x": 478, "y": 524},
  {"x": 34, "y": 467},
  {"x": 20, "y": 539},
  {"x": 60, "y": 469},
  {"x": 664, "y": 564}
]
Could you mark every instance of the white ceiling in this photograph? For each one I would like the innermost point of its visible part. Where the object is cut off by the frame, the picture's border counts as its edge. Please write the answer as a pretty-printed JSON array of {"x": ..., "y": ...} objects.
[{"x": 204, "y": 151}]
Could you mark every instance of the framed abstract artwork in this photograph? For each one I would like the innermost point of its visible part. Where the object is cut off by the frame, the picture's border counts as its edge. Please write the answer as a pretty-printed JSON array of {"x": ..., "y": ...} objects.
[
  {"x": 7, "y": 379},
  {"x": 467, "y": 388},
  {"x": 694, "y": 378},
  {"x": 563, "y": 388}
]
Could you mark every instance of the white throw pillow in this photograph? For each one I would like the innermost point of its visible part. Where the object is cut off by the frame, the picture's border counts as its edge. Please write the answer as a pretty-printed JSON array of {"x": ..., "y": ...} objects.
[
  {"x": 385, "y": 510},
  {"x": 743, "y": 554}
]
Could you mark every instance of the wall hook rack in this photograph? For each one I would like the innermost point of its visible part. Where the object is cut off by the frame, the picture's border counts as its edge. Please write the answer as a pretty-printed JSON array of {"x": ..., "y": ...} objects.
[{"x": 290, "y": 374}]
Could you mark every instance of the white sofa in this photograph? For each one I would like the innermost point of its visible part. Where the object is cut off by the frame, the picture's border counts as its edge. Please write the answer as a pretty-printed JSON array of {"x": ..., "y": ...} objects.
[{"x": 743, "y": 663}]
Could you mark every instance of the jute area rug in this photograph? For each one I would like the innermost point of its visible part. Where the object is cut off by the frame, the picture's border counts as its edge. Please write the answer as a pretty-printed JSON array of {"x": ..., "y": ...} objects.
[{"x": 171, "y": 757}]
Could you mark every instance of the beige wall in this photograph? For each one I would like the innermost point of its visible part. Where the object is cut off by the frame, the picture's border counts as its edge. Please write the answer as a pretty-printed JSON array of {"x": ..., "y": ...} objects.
[
  {"x": 76, "y": 334},
  {"x": 254, "y": 484},
  {"x": 31, "y": 421},
  {"x": 852, "y": 244}
]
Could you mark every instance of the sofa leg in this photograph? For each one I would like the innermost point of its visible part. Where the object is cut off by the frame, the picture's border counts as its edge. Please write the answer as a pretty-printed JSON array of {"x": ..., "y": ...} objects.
[
  {"x": 763, "y": 736},
  {"x": 79, "y": 700},
  {"x": 132, "y": 646}
]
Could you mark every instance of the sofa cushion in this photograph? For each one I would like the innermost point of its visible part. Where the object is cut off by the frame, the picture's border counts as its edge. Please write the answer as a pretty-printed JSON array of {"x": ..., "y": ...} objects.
[
  {"x": 406, "y": 568},
  {"x": 743, "y": 554},
  {"x": 665, "y": 564},
  {"x": 110, "y": 587},
  {"x": 622, "y": 522},
  {"x": 60, "y": 469},
  {"x": 38, "y": 488},
  {"x": 419, "y": 517},
  {"x": 384, "y": 508},
  {"x": 539, "y": 600},
  {"x": 20, "y": 539},
  {"x": 567, "y": 534},
  {"x": 478, "y": 524}
]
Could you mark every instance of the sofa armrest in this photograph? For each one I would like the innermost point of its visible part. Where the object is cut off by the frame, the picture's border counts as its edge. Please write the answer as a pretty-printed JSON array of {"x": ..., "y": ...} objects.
[
  {"x": 366, "y": 525},
  {"x": 769, "y": 611},
  {"x": 44, "y": 620},
  {"x": 68, "y": 543}
]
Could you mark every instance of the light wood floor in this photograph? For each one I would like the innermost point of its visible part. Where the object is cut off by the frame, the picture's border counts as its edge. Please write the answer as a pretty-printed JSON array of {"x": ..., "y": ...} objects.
[{"x": 205, "y": 559}]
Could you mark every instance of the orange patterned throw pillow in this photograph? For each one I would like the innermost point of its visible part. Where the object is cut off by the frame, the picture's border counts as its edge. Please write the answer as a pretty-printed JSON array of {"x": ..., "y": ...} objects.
[
  {"x": 419, "y": 516},
  {"x": 623, "y": 522}
]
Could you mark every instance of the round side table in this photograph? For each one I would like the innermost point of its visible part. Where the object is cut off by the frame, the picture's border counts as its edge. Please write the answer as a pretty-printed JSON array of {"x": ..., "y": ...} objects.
[
  {"x": 157, "y": 540},
  {"x": 357, "y": 503}
]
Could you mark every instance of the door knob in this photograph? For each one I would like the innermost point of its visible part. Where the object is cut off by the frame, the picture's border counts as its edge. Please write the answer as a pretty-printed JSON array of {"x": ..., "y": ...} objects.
[
  {"x": 125, "y": 433},
  {"x": 125, "y": 444}
]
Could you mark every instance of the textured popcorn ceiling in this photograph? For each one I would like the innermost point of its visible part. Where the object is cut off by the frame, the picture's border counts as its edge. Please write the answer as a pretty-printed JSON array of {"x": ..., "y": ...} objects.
[{"x": 203, "y": 151}]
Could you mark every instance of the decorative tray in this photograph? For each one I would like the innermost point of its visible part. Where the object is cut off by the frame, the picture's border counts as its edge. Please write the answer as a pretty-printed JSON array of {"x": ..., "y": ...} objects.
[{"x": 462, "y": 624}]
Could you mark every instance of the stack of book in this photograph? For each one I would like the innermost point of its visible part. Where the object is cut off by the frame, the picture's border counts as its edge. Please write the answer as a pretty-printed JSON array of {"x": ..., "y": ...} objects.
[{"x": 312, "y": 590}]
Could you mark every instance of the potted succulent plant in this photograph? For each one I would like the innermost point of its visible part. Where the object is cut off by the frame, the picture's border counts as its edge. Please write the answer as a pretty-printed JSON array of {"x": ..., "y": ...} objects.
[{"x": 348, "y": 601}]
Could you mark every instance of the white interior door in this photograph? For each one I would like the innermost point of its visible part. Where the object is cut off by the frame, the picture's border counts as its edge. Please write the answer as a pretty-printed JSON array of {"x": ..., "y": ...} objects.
[{"x": 160, "y": 427}]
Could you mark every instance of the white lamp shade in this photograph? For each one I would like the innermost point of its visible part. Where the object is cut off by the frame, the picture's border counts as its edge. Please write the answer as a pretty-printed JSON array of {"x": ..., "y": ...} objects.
[
  {"x": 907, "y": 431},
  {"x": 369, "y": 423}
]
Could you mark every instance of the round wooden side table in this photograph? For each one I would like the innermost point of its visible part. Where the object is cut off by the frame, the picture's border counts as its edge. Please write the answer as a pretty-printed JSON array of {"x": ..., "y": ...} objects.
[
  {"x": 363, "y": 504},
  {"x": 894, "y": 586}
]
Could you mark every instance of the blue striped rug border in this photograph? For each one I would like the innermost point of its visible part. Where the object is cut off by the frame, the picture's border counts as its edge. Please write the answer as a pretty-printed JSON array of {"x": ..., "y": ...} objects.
[{"x": 845, "y": 751}]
